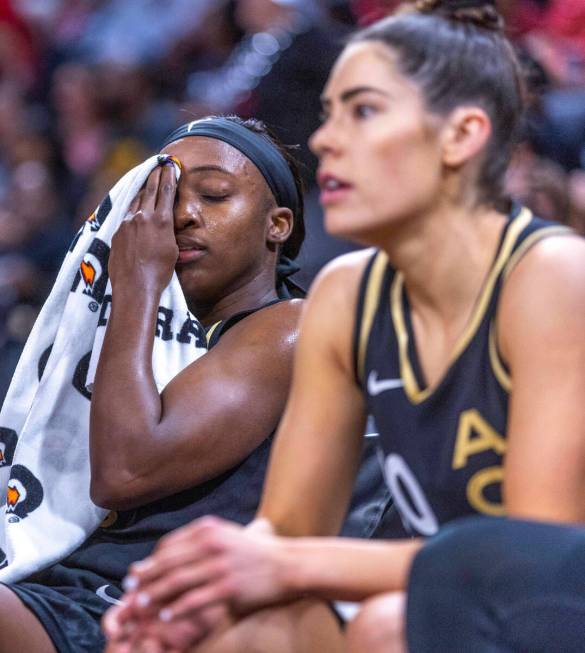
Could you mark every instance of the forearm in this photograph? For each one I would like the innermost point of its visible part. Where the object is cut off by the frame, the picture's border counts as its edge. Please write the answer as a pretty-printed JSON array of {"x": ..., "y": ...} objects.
[
  {"x": 346, "y": 569},
  {"x": 312, "y": 472},
  {"x": 126, "y": 405}
]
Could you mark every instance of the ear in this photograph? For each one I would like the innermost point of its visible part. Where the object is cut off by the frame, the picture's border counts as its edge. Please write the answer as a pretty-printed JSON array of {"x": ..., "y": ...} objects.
[
  {"x": 465, "y": 135},
  {"x": 280, "y": 225}
]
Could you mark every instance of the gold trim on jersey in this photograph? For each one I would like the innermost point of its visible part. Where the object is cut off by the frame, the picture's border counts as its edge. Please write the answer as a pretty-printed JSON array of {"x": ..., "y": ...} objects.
[
  {"x": 212, "y": 328},
  {"x": 532, "y": 240},
  {"x": 415, "y": 394},
  {"x": 371, "y": 303},
  {"x": 498, "y": 367},
  {"x": 500, "y": 372}
]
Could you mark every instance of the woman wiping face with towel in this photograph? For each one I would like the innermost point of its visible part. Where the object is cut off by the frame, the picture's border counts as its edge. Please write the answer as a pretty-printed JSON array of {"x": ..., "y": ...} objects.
[{"x": 228, "y": 227}]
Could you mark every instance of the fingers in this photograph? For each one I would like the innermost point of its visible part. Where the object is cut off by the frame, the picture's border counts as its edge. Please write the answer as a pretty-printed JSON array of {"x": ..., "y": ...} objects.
[
  {"x": 182, "y": 634},
  {"x": 111, "y": 625},
  {"x": 200, "y": 601},
  {"x": 167, "y": 188},
  {"x": 148, "y": 195},
  {"x": 177, "y": 582},
  {"x": 199, "y": 539},
  {"x": 157, "y": 198},
  {"x": 208, "y": 525},
  {"x": 176, "y": 637},
  {"x": 160, "y": 564},
  {"x": 119, "y": 623},
  {"x": 135, "y": 204}
]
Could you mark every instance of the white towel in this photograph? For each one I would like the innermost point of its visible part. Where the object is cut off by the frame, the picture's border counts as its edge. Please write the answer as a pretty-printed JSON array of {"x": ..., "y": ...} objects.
[{"x": 46, "y": 511}]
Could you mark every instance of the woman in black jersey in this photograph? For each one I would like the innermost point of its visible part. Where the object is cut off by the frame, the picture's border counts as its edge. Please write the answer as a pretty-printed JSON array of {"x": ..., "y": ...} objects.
[
  {"x": 229, "y": 228},
  {"x": 462, "y": 333}
]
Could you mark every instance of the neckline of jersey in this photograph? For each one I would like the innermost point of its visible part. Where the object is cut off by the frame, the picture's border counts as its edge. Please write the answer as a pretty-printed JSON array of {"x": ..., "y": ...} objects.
[{"x": 413, "y": 387}]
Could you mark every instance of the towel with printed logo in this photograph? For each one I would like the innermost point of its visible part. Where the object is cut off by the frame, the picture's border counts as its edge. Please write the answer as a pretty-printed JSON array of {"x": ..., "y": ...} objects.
[{"x": 46, "y": 511}]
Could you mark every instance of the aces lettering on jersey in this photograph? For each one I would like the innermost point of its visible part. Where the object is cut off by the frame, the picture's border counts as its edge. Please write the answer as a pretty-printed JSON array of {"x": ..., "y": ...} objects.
[{"x": 474, "y": 436}]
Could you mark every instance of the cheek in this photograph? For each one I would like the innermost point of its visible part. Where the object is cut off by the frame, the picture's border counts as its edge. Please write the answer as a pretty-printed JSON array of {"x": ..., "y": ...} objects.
[
  {"x": 394, "y": 177},
  {"x": 234, "y": 230},
  {"x": 403, "y": 169}
]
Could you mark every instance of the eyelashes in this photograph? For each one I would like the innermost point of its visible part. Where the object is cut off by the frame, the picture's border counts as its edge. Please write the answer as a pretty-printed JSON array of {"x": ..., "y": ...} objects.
[
  {"x": 214, "y": 199},
  {"x": 358, "y": 111},
  {"x": 362, "y": 111}
]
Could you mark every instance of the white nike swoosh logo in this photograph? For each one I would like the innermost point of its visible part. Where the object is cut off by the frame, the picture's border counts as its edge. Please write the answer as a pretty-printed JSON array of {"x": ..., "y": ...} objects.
[
  {"x": 101, "y": 592},
  {"x": 377, "y": 386}
]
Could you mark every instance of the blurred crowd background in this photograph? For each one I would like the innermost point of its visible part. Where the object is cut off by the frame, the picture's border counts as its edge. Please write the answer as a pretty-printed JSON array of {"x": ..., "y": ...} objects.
[{"x": 89, "y": 88}]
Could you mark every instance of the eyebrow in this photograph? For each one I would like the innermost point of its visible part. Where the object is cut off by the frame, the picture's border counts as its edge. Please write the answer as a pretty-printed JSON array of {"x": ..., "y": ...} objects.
[
  {"x": 210, "y": 168},
  {"x": 352, "y": 92}
]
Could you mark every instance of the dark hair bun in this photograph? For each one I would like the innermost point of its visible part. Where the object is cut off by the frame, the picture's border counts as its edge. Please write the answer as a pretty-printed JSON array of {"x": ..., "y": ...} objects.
[{"x": 481, "y": 13}]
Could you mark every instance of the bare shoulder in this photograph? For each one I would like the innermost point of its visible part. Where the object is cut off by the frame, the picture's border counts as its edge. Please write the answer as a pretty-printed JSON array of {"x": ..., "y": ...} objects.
[
  {"x": 338, "y": 282},
  {"x": 553, "y": 264},
  {"x": 277, "y": 324},
  {"x": 546, "y": 289},
  {"x": 329, "y": 318}
]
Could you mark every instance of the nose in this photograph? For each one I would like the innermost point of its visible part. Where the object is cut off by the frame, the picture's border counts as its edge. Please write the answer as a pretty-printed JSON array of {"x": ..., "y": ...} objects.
[
  {"x": 186, "y": 212},
  {"x": 324, "y": 140}
]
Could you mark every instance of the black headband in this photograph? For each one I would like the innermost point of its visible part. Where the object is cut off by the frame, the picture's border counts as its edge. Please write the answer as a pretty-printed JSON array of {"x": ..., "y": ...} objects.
[{"x": 258, "y": 148}]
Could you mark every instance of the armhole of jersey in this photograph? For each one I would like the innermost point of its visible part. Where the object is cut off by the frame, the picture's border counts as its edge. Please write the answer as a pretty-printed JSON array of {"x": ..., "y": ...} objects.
[
  {"x": 530, "y": 241},
  {"x": 368, "y": 299},
  {"x": 210, "y": 335},
  {"x": 219, "y": 328},
  {"x": 498, "y": 365}
]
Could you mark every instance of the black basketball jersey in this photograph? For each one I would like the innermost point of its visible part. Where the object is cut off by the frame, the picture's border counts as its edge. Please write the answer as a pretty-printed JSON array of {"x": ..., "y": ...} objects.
[
  {"x": 126, "y": 536},
  {"x": 443, "y": 446}
]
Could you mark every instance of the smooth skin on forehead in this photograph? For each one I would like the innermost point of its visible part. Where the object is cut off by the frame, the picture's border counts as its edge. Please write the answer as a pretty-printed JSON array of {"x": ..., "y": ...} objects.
[
  {"x": 201, "y": 154},
  {"x": 371, "y": 66}
]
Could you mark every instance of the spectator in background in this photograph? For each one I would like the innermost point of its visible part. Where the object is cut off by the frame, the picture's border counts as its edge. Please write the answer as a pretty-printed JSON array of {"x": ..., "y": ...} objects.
[
  {"x": 577, "y": 200},
  {"x": 540, "y": 184},
  {"x": 276, "y": 72},
  {"x": 18, "y": 57},
  {"x": 99, "y": 81}
]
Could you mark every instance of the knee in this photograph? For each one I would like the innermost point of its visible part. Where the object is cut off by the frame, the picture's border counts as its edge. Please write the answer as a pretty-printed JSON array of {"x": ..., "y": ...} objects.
[
  {"x": 305, "y": 626},
  {"x": 379, "y": 626}
]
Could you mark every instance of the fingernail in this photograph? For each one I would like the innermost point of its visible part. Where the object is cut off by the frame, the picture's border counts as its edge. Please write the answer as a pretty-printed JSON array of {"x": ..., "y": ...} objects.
[
  {"x": 141, "y": 564},
  {"x": 143, "y": 599},
  {"x": 165, "y": 614},
  {"x": 130, "y": 583}
]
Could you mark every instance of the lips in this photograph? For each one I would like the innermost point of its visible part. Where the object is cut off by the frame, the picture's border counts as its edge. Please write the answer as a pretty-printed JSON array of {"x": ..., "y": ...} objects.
[
  {"x": 333, "y": 188},
  {"x": 190, "y": 250}
]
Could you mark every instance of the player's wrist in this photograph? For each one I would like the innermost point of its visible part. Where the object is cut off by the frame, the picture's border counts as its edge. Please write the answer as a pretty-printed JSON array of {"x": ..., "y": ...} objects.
[{"x": 294, "y": 567}]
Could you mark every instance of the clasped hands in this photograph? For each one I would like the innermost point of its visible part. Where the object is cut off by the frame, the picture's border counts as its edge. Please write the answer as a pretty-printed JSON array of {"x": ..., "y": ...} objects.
[{"x": 198, "y": 579}]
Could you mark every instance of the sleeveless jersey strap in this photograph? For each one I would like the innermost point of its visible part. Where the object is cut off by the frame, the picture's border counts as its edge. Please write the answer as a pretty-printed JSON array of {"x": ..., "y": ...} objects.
[
  {"x": 216, "y": 330},
  {"x": 535, "y": 231},
  {"x": 368, "y": 301}
]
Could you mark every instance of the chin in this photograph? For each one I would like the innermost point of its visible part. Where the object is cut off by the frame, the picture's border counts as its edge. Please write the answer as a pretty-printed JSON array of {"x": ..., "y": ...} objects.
[{"x": 350, "y": 225}]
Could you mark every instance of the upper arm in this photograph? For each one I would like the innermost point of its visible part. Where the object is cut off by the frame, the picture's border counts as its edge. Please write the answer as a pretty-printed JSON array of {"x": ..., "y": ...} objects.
[
  {"x": 219, "y": 408},
  {"x": 542, "y": 337},
  {"x": 318, "y": 444}
]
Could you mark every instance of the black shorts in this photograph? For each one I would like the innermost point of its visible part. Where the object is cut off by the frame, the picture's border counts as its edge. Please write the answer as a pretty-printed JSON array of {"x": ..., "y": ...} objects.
[{"x": 69, "y": 605}]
